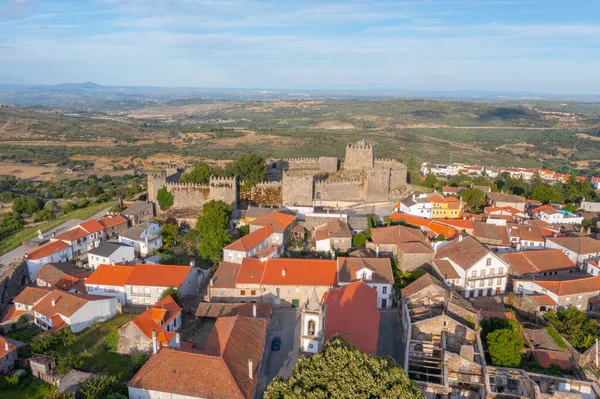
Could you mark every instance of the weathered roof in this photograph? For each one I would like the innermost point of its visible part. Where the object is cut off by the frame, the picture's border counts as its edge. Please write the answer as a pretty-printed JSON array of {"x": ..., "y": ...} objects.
[
  {"x": 133, "y": 233},
  {"x": 49, "y": 274},
  {"x": 463, "y": 252},
  {"x": 568, "y": 284},
  {"x": 446, "y": 269},
  {"x": 218, "y": 309},
  {"x": 397, "y": 234},
  {"x": 360, "y": 327},
  {"x": 49, "y": 249},
  {"x": 226, "y": 275},
  {"x": 380, "y": 267},
  {"x": 335, "y": 228},
  {"x": 65, "y": 303},
  {"x": 579, "y": 245},
  {"x": 31, "y": 295},
  {"x": 538, "y": 261},
  {"x": 500, "y": 197}
]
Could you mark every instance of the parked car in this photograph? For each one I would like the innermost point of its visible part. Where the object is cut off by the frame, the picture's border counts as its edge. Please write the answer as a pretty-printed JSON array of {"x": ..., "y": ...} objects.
[{"x": 276, "y": 345}]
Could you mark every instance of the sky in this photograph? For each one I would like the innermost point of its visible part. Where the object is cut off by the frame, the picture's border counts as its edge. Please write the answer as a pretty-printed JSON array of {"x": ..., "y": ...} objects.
[{"x": 548, "y": 46}]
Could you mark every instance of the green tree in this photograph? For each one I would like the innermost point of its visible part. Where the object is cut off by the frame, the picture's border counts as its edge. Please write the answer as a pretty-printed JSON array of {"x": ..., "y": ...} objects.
[
  {"x": 342, "y": 371},
  {"x": 51, "y": 206},
  {"x": 69, "y": 207},
  {"x": 10, "y": 222},
  {"x": 199, "y": 175},
  {"x": 27, "y": 205},
  {"x": 251, "y": 168},
  {"x": 99, "y": 387},
  {"x": 547, "y": 195},
  {"x": 44, "y": 215},
  {"x": 505, "y": 347},
  {"x": 173, "y": 292},
  {"x": 430, "y": 180},
  {"x": 165, "y": 199},
  {"x": 68, "y": 362},
  {"x": 474, "y": 198},
  {"x": 212, "y": 225},
  {"x": 358, "y": 240},
  {"x": 574, "y": 326}
]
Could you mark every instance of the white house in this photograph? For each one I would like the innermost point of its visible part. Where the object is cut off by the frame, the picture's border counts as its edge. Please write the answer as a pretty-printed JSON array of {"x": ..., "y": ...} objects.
[
  {"x": 109, "y": 280},
  {"x": 144, "y": 238},
  {"x": 60, "y": 309},
  {"x": 146, "y": 283},
  {"x": 526, "y": 237},
  {"x": 578, "y": 249},
  {"x": 375, "y": 272},
  {"x": 109, "y": 253},
  {"x": 417, "y": 205},
  {"x": 53, "y": 252},
  {"x": 551, "y": 215},
  {"x": 250, "y": 245},
  {"x": 592, "y": 267},
  {"x": 471, "y": 268}
]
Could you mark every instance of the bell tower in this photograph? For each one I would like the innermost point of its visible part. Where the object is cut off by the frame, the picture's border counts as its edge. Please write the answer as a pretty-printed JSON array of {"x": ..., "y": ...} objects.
[{"x": 311, "y": 336}]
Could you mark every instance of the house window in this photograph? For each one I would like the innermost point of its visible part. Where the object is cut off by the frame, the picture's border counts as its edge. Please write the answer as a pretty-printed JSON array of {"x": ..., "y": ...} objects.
[
  {"x": 364, "y": 275},
  {"x": 499, "y": 282},
  {"x": 492, "y": 272},
  {"x": 488, "y": 262},
  {"x": 483, "y": 273},
  {"x": 490, "y": 282},
  {"x": 242, "y": 292},
  {"x": 481, "y": 283},
  {"x": 384, "y": 290},
  {"x": 501, "y": 270},
  {"x": 252, "y": 292},
  {"x": 474, "y": 273}
]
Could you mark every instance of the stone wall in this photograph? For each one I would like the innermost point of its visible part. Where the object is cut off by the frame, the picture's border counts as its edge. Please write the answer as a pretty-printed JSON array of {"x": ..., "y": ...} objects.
[
  {"x": 328, "y": 164},
  {"x": 188, "y": 195},
  {"x": 359, "y": 156},
  {"x": 131, "y": 340},
  {"x": 261, "y": 194},
  {"x": 378, "y": 184},
  {"x": 301, "y": 163},
  {"x": 338, "y": 190},
  {"x": 224, "y": 189},
  {"x": 156, "y": 181},
  {"x": 297, "y": 188},
  {"x": 14, "y": 280}
]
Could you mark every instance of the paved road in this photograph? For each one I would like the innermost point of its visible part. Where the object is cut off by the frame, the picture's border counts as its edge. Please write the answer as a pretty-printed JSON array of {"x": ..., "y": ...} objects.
[
  {"x": 390, "y": 334},
  {"x": 285, "y": 323},
  {"x": 22, "y": 250}
]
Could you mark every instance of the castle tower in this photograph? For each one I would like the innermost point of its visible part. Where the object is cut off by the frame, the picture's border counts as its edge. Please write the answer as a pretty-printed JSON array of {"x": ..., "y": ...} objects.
[
  {"x": 359, "y": 156},
  {"x": 224, "y": 189},
  {"x": 311, "y": 336},
  {"x": 156, "y": 181},
  {"x": 298, "y": 188}
]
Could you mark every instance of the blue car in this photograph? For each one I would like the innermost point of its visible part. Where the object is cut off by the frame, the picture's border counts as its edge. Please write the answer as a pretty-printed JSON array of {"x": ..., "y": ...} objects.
[{"x": 276, "y": 345}]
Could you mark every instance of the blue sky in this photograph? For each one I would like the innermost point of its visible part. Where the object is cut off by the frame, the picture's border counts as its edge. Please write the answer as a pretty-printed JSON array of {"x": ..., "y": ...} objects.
[{"x": 548, "y": 46}]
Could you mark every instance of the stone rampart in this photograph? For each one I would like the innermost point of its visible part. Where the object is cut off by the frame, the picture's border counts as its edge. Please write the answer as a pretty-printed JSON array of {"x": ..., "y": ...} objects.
[{"x": 266, "y": 193}]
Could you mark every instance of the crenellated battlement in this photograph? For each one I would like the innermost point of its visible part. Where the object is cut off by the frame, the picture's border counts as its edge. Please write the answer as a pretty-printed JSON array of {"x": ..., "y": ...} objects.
[
  {"x": 337, "y": 181},
  {"x": 301, "y": 159},
  {"x": 361, "y": 145},
  {"x": 184, "y": 185},
  {"x": 214, "y": 179},
  {"x": 264, "y": 184}
]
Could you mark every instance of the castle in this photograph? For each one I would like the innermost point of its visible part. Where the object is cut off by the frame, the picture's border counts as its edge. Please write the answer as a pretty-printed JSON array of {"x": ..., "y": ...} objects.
[{"x": 359, "y": 177}]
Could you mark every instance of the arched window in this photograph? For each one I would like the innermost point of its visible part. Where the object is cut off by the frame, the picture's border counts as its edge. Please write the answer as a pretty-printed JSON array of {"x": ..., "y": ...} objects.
[{"x": 311, "y": 328}]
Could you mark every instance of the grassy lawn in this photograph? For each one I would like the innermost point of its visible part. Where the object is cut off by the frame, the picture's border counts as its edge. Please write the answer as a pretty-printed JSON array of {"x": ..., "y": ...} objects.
[
  {"x": 90, "y": 344},
  {"x": 16, "y": 239},
  {"x": 30, "y": 388},
  {"x": 422, "y": 189},
  {"x": 25, "y": 334}
]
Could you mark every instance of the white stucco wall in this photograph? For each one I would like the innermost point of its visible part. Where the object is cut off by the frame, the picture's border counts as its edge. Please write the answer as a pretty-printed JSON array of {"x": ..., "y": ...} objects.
[
  {"x": 34, "y": 265},
  {"x": 91, "y": 312},
  {"x": 107, "y": 290}
]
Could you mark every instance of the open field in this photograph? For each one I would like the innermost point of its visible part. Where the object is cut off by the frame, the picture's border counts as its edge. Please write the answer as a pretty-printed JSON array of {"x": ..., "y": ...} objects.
[{"x": 508, "y": 134}]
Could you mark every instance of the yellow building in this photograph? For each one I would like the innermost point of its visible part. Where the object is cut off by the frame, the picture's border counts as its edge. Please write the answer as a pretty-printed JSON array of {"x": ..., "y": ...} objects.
[{"x": 445, "y": 207}]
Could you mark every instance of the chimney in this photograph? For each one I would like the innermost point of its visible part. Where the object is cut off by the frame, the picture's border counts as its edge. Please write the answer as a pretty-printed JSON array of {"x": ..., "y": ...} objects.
[
  {"x": 192, "y": 262},
  {"x": 177, "y": 340},
  {"x": 53, "y": 234},
  {"x": 6, "y": 345},
  {"x": 211, "y": 283},
  {"x": 283, "y": 271},
  {"x": 460, "y": 237},
  {"x": 250, "y": 369},
  {"x": 112, "y": 262},
  {"x": 253, "y": 310},
  {"x": 53, "y": 302},
  {"x": 154, "y": 342},
  {"x": 377, "y": 251}
]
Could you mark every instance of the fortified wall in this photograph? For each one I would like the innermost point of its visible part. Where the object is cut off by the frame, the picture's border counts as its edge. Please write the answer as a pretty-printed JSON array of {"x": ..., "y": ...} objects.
[{"x": 358, "y": 177}]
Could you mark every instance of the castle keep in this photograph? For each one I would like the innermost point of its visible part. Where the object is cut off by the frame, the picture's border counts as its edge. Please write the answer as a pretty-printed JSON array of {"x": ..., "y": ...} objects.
[{"x": 359, "y": 177}]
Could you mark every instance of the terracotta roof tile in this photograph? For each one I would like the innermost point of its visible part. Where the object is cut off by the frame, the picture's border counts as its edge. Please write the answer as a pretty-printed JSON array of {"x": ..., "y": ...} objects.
[
  {"x": 465, "y": 253},
  {"x": 49, "y": 249},
  {"x": 360, "y": 326},
  {"x": 31, "y": 295},
  {"x": 542, "y": 300},
  {"x": 49, "y": 274},
  {"x": 538, "y": 261},
  {"x": 73, "y": 234},
  {"x": 215, "y": 309},
  {"x": 547, "y": 209},
  {"x": 158, "y": 275},
  {"x": 226, "y": 275},
  {"x": 547, "y": 357},
  {"x": 279, "y": 221},
  {"x": 380, "y": 267},
  {"x": 12, "y": 313},
  {"x": 569, "y": 284},
  {"x": 111, "y": 275},
  {"x": 286, "y": 271},
  {"x": 92, "y": 226},
  {"x": 157, "y": 316},
  {"x": 112, "y": 221},
  {"x": 66, "y": 282},
  {"x": 335, "y": 228},
  {"x": 579, "y": 245},
  {"x": 397, "y": 234},
  {"x": 249, "y": 241},
  {"x": 446, "y": 269},
  {"x": 11, "y": 346},
  {"x": 66, "y": 303}
]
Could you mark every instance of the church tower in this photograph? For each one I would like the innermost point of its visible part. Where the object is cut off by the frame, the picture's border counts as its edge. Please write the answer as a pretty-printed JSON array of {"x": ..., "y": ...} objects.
[{"x": 312, "y": 318}]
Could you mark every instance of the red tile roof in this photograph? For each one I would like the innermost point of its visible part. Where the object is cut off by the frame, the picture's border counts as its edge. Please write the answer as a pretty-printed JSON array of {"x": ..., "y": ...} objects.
[
  {"x": 279, "y": 221},
  {"x": 156, "y": 317},
  {"x": 112, "y": 221},
  {"x": 437, "y": 228},
  {"x": 286, "y": 271},
  {"x": 542, "y": 300},
  {"x": 92, "y": 226},
  {"x": 112, "y": 275},
  {"x": 446, "y": 269},
  {"x": 569, "y": 284},
  {"x": 31, "y": 295},
  {"x": 46, "y": 250},
  {"x": 66, "y": 282},
  {"x": 465, "y": 253},
  {"x": 249, "y": 241},
  {"x": 538, "y": 261},
  {"x": 66, "y": 303},
  {"x": 217, "y": 309},
  {"x": 360, "y": 326},
  {"x": 547, "y": 357},
  {"x": 12, "y": 313},
  {"x": 579, "y": 245},
  {"x": 547, "y": 209},
  {"x": 158, "y": 275},
  {"x": 226, "y": 275},
  {"x": 395, "y": 235},
  {"x": 220, "y": 371},
  {"x": 457, "y": 223},
  {"x": 11, "y": 347},
  {"x": 381, "y": 269},
  {"x": 503, "y": 209},
  {"x": 73, "y": 234}
]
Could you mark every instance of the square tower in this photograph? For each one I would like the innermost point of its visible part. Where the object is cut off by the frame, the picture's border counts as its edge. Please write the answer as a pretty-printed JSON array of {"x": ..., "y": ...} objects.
[{"x": 359, "y": 156}]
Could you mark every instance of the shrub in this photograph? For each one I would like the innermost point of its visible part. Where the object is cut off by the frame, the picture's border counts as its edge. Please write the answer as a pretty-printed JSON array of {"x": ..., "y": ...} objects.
[
  {"x": 23, "y": 320},
  {"x": 556, "y": 337},
  {"x": 358, "y": 240},
  {"x": 165, "y": 199},
  {"x": 112, "y": 340},
  {"x": 505, "y": 347}
]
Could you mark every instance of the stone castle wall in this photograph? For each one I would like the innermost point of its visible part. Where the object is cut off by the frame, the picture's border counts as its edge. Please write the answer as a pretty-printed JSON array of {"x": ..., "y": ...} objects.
[
  {"x": 188, "y": 195},
  {"x": 194, "y": 196},
  {"x": 14, "y": 280},
  {"x": 359, "y": 156},
  {"x": 224, "y": 189},
  {"x": 301, "y": 163},
  {"x": 338, "y": 190},
  {"x": 298, "y": 188},
  {"x": 267, "y": 193},
  {"x": 377, "y": 185}
]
